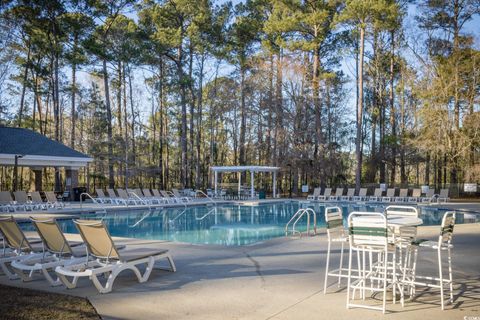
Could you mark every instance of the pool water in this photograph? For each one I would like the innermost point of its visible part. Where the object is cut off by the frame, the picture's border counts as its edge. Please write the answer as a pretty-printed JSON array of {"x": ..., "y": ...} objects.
[{"x": 229, "y": 225}]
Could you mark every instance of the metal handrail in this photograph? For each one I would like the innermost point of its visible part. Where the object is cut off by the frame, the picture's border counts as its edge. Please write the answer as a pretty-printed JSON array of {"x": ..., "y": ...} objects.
[
  {"x": 297, "y": 216},
  {"x": 87, "y": 194},
  {"x": 200, "y": 191},
  {"x": 142, "y": 200},
  {"x": 214, "y": 209}
]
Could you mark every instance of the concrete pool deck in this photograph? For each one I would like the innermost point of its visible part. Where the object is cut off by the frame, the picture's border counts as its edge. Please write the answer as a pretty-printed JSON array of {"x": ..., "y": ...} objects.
[{"x": 278, "y": 279}]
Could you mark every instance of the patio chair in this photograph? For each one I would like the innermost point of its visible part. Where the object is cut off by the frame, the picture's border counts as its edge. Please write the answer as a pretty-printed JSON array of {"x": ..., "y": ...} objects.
[
  {"x": 326, "y": 194},
  {"x": 109, "y": 260},
  {"x": 315, "y": 194},
  {"x": 416, "y": 195},
  {"x": 389, "y": 196},
  {"x": 337, "y": 195},
  {"x": 368, "y": 234},
  {"x": 402, "y": 196},
  {"x": 350, "y": 194},
  {"x": 52, "y": 200},
  {"x": 443, "y": 196},
  {"x": 20, "y": 246},
  {"x": 62, "y": 252},
  {"x": 443, "y": 243},
  {"x": 362, "y": 195},
  {"x": 336, "y": 233},
  {"x": 377, "y": 195}
]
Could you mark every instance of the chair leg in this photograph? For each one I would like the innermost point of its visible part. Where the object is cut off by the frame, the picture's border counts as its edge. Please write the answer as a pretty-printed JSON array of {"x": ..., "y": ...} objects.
[
  {"x": 440, "y": 273},
  {"x": 384, "y": 304},
  {"x": 326, "y": 269},
  {"x": 450, "y": 277},
  {"x": 349, "y": 277},
  {"x": 341, "y": 266}
]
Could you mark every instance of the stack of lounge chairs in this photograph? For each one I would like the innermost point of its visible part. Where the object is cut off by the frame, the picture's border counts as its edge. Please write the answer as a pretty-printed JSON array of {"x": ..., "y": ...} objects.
[
  {"x": 390, "y": 196},
  {"x": 62, "y": 262},
  {"x": 20, "y": 201}
]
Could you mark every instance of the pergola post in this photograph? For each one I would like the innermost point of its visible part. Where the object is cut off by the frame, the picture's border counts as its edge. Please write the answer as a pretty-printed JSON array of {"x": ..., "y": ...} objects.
[
  {"x": 71, "y": 180},
  {"x": 38, "y": 178},
  {"x": 239, "y": 175},
  {"x": 252, "y": 180},
  {"x": 274, "y": 184},
  {"x": 215, "y": 179}
]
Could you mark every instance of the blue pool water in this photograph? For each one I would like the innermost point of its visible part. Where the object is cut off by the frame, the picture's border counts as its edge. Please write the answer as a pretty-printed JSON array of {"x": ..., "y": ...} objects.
[{"x": 229, "y": 225}]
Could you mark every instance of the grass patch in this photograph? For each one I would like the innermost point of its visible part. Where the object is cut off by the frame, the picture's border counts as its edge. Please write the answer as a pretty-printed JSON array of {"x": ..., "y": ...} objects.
[{"x": 26, "y": 304}]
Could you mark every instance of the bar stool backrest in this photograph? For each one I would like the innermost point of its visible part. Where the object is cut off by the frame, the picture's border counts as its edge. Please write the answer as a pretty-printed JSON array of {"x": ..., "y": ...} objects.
[
  {"x": 334, "y": 221},
  {"x": 448, "y": 223},
  {"x": 401, "y": 211},
  {"x": 403, "y": 233},
  {"x": 367, "y": 229}
]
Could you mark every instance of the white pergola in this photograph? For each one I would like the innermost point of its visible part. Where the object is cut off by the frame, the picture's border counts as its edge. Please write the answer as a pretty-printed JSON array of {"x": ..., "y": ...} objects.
[{"x": 253, "y": 170}]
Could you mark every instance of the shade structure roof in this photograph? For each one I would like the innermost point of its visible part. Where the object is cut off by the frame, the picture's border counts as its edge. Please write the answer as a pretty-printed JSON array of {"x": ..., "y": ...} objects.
[
  {"x": 36, "y": 150},
  {"x": 244, "y": 168}
]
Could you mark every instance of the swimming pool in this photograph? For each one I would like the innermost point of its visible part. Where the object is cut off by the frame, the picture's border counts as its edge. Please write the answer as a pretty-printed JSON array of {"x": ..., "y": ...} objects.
[{"x": 229, "y": 225}]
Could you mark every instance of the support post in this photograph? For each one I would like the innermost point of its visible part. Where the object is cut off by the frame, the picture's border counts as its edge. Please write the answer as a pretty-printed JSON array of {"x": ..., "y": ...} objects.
[
  {"x": 239, "y": 175},
  {"x": 216, "y": 176},
  {"x": 252, "y": 180},
  {"x": 274, "y": 184},
  {"x": 38, "y": 178},
  {"x": 71, "y": 180}
]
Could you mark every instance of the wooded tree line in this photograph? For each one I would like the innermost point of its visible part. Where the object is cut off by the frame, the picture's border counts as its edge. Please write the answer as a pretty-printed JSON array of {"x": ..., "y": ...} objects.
[{"x": 334, "y": 92}]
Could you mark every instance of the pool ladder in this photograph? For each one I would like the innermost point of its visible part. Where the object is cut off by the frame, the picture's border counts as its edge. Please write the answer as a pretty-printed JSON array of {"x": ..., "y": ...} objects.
[{"x": 297, "y": 217}]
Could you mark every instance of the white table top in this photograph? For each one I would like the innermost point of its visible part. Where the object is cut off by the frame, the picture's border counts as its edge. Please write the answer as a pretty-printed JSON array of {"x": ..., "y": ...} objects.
[{"x": 398, "y": 221}]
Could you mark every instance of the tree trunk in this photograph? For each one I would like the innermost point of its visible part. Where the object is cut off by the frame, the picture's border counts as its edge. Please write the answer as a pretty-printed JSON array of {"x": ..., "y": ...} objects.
[
  {"x": 198, "y": 182},
  {"x": 73, "y": 111},
  {"x": 243, "y": 118},
  {"x": 358, "y": 142},
  {"x": 392, "y": 111},
  {"x": 24, "y": 88},
  {"x": 111, "y": 180}
]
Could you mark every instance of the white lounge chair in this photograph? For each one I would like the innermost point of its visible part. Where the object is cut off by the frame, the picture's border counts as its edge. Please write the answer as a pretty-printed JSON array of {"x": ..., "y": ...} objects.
[
  {"x": 38, "y": 200},
  {"x": 389, "y": 196},
  {"x": 179, "y": 197},
  {"x": 443, "y": 196},
  {"x": 402, "y": 196},
  {"x": 62, "y": 252},
  {"x": 109, "y": 260},
  {"x": 416, "y": 195},
  {"x": 430, "y": 196},
  {"x": 362, "y": 195},
  {"x": 53, "y": 201},
  {"x": 315, "y": 194},
  {"x": 350, "y": 194},
  {"x": 20, "y": 247},
  {"x": 377, "y": 195},
  {"x": 337, "y": 195},
  {"x": 326, "y": 194}
]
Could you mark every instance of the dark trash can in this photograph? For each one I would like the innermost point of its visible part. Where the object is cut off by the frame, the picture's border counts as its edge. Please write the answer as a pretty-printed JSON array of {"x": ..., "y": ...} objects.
[
  {"x": 262, "y": 194},
  {"x": 77, "y": 192}
]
